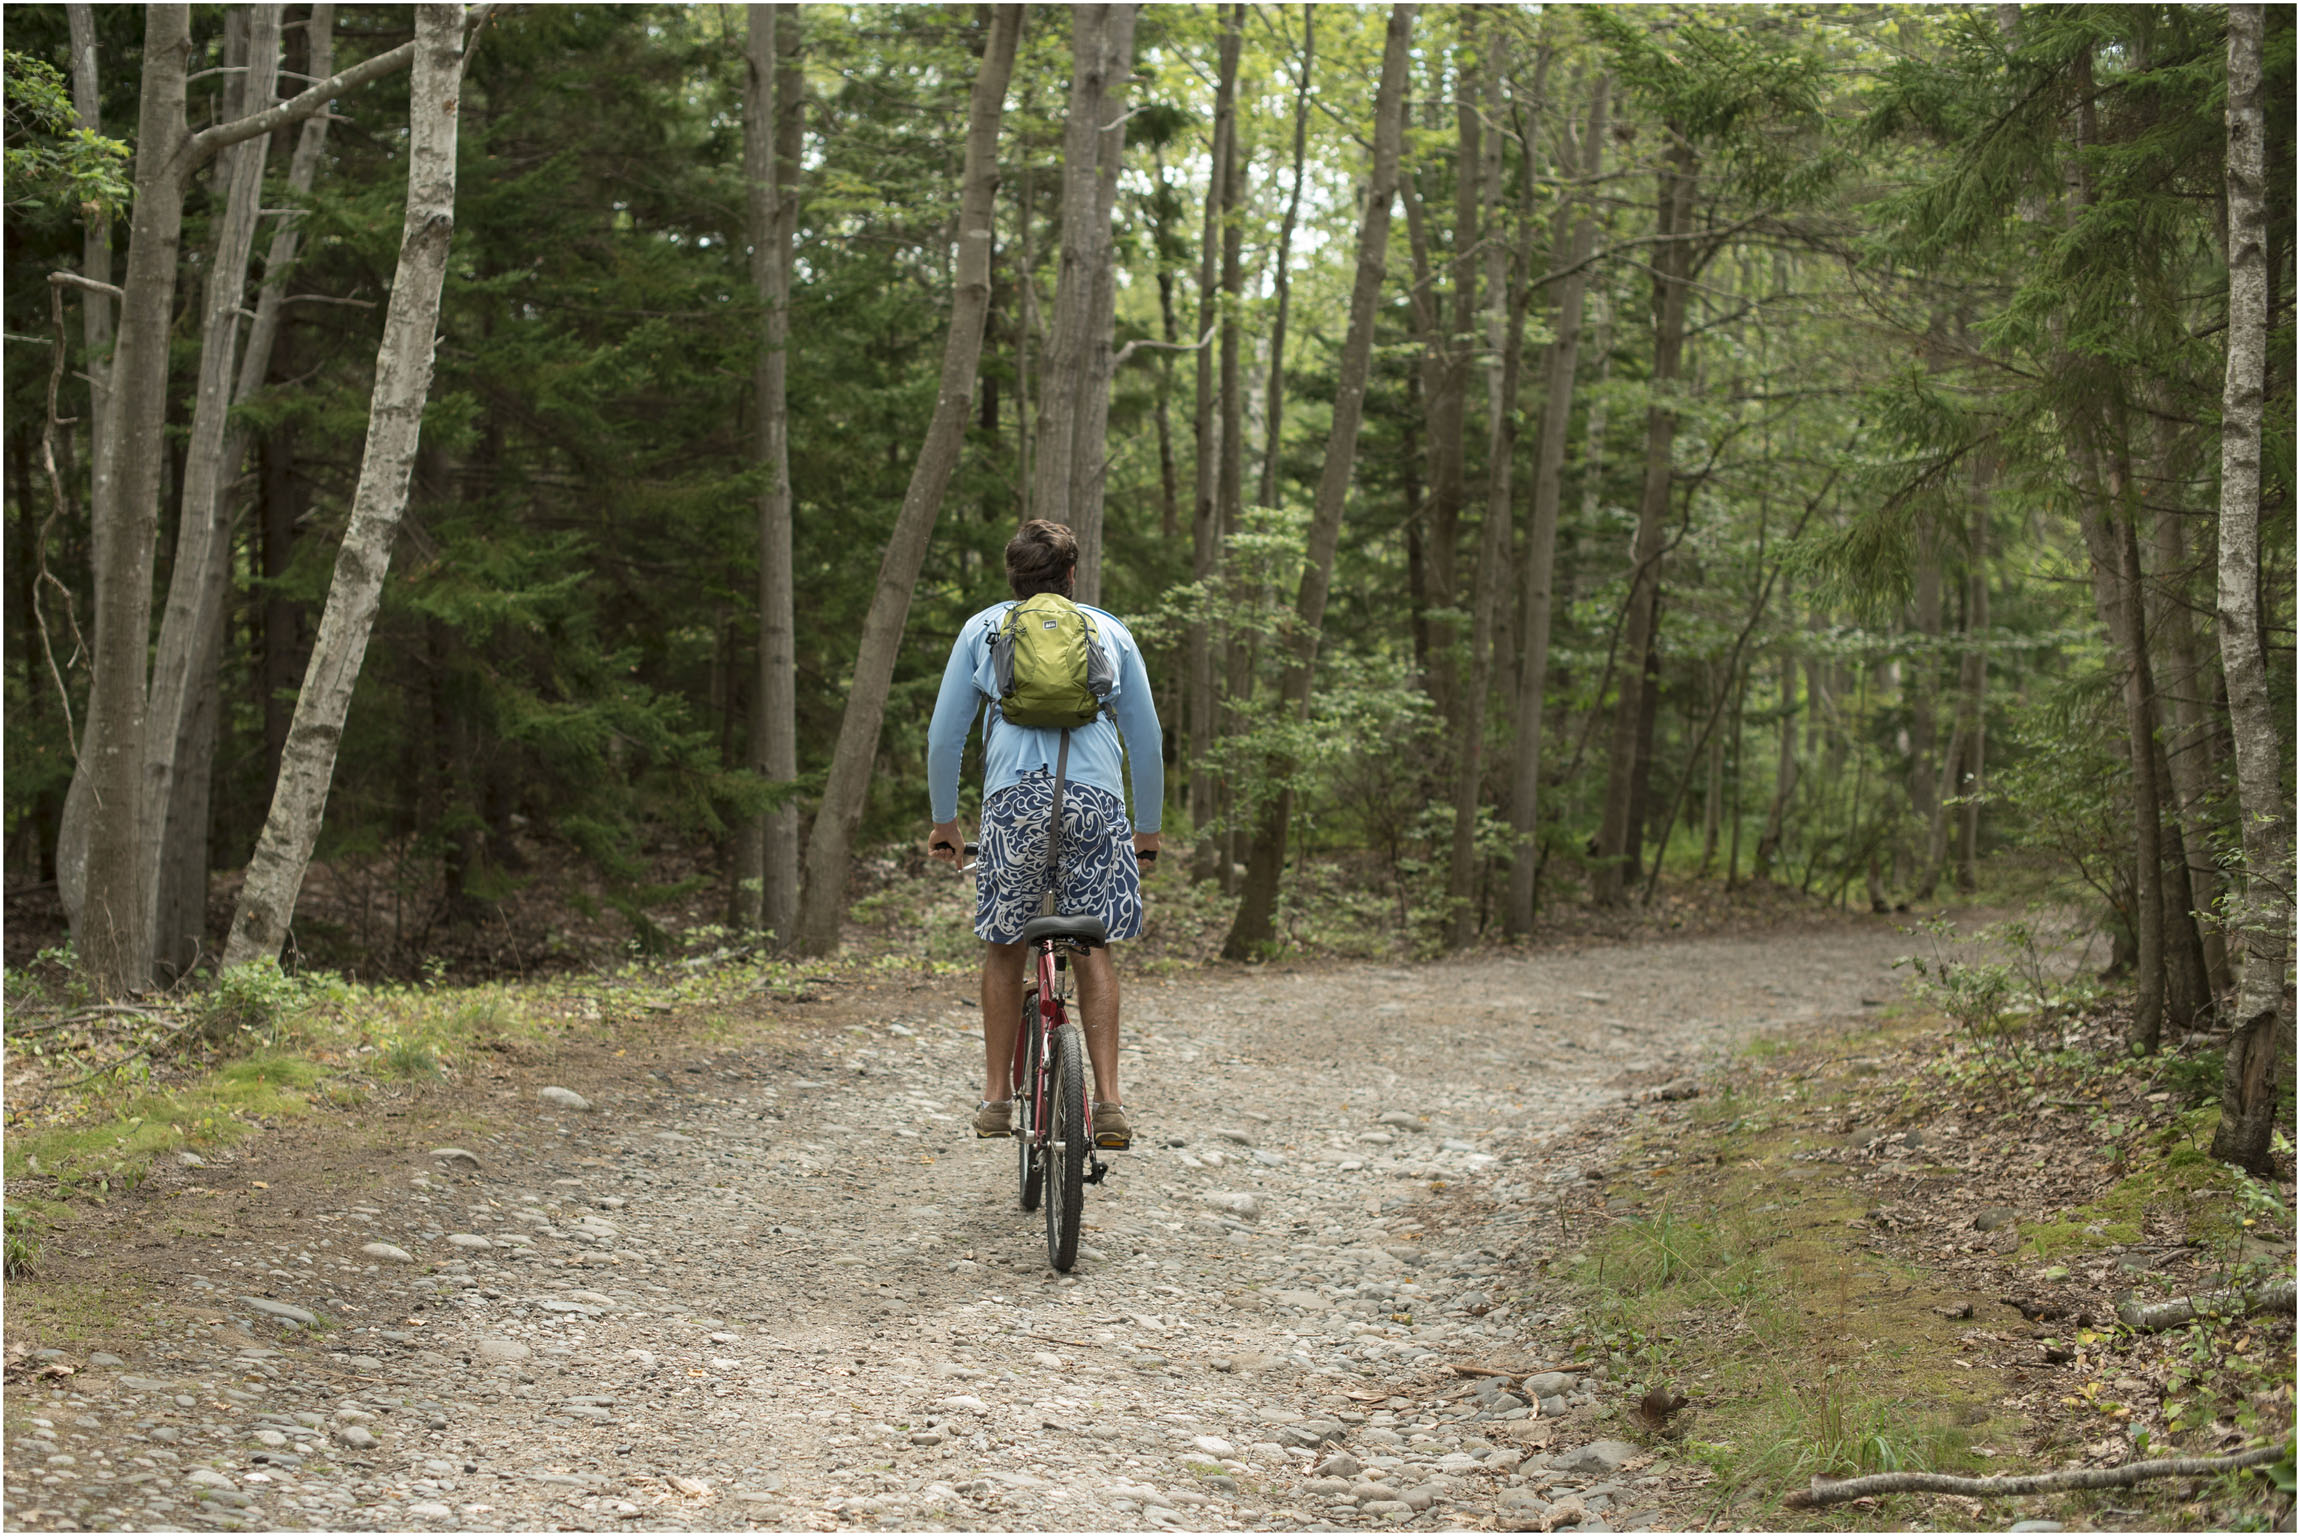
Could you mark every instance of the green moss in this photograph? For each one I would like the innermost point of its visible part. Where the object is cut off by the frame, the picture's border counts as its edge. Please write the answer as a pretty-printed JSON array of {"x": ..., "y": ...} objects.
[
  {"x": 117, "y": 1147},
  {"x": 2171, "y": 1184}
]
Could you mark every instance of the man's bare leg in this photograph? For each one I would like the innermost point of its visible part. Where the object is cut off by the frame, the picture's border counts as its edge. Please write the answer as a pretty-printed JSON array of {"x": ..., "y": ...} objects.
[
  {"x": 1002, "y": 969},
  {"x": 1098, "y": 1005}
]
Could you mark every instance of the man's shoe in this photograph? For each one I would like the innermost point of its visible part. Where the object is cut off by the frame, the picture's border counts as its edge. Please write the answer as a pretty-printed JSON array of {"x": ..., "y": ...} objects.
[
  {"x": 1113, "y": 1132},
  {"x": 994, "y": 1119}
]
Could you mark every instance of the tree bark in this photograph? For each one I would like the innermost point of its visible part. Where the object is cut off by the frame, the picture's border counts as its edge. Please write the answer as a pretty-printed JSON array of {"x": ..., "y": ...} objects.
[
  {"x": 113, "y": 934},
  {"x": 1972, "y": 688},
  {"x": 1507, "y": 296},
  {"x": 395, "y": 416},
  {"x": 2250, "y": 1084},
  {"x": 1672, "y": 268},
  {"x": 74, "y": 824},
  {"x": 1784, "y": 775},
  {"x": 1252, "y": 927},
  {"x": 196, "y": 579},
  {"x": 1090, "y": 454},
  {"x": 2117, "y": 594},
  {"x": 1274, "y": 395},
  {"x": 1923, "y": 695},
  {"x": 2185, "y": 750},
  {"x": 1230, "y": 461},
  {"x": 767, "y": 863},
  {"x": 114, "y": 928},
  {"x": 822, "y": 896},
  {"x": 1206, "y": 861},
  {"x": 1074, "y": 401}
]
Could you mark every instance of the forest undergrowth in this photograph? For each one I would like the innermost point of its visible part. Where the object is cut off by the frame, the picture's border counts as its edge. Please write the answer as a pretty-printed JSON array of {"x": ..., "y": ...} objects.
[{"x": 1908, "y": 1249}]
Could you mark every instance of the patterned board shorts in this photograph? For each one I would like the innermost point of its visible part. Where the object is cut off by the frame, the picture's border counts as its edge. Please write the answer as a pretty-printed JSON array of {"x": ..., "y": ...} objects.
[{"x": 1099, "y": 875}]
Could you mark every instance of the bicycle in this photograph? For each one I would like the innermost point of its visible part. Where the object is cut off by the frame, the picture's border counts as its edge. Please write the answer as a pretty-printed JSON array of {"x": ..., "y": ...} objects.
[
  {"x": 1053, "y": 1122},
  {"x": 1053, "y": 1125}
]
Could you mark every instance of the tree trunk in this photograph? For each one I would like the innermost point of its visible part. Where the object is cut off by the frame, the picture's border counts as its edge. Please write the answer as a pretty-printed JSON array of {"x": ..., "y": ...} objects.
[
  {"x": 2186, "y": 746},
  {"x": 1230, "y": 461},
  {"x": 196, "y": 578},
  {"x": 1506, "y": 300},
  {"x": 1784, "y": 773},
  {"x": 1274, "y": 395},
  {"x": 75, "y": 824},
  {"x": 822, "y": 897},
  {"x": 1713, "y": 798},
  {"x": 113, "y": 934},
  {"x": 277, "y": 670},
  {"x": 1445, "y": 362},
  {"x": 114, "y": 928},
  {"x": 1206, "y": 861},
  {"x": 1672, "y": 269},
  {"x": 1252, "y": 927},
  {"x": 2251, "y": 1084},
  {"x": 395, "y": 416},
  {"x": 1972, "y": 685},
  {"x": 767, "y": 858},
  {"x": 1090, "y": 453},
  {"x": 1541, "y": 534},
  {"x": 1074, "y": 399},
  {"x": 2117, "y": 595}
]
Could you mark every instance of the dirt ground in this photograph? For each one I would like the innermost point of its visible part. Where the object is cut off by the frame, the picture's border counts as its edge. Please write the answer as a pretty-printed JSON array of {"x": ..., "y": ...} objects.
[{"x": 767, "y": 1279}]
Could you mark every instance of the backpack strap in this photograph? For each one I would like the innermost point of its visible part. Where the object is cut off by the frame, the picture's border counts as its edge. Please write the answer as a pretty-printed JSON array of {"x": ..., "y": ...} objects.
[{"x": 1054, "y": 829}]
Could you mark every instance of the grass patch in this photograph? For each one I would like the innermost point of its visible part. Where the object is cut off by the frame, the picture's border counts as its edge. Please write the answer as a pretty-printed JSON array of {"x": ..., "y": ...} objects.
[{"x": 114, "y": 1145}]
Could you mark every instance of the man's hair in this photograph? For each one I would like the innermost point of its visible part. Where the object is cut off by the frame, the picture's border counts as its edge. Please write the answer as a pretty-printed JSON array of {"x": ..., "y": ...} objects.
[{"x": 1040, "y": 557}]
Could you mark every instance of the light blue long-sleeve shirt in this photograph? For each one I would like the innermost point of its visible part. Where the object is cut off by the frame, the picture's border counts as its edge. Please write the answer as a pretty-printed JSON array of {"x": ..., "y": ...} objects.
[{"x": 1011, "y": 751}]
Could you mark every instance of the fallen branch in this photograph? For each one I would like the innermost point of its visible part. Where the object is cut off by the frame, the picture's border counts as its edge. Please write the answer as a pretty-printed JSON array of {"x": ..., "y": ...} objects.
[
  {"x": 2149, "y": 1317},
  {"x": 1535, "y": 1370},
  {"x": 1837, "y": 1491}
]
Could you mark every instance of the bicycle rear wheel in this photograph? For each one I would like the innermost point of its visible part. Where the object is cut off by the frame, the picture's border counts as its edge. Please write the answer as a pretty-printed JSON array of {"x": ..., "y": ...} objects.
[
  {"x": 1070, "y": 1135},
  {"x": 1029, "y": 1115}
]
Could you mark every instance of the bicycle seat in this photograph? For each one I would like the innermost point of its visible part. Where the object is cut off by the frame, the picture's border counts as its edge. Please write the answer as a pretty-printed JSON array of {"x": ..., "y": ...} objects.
[{"x": 1086, "y": 932}]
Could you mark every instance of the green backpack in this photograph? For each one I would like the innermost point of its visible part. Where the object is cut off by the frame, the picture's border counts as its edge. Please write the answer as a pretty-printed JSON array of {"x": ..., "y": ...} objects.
[{"x": 1052, "y": 670}]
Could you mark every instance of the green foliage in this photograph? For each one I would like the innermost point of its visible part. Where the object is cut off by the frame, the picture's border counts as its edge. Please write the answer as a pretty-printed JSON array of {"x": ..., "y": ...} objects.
[{"x": 50, "y": 162}]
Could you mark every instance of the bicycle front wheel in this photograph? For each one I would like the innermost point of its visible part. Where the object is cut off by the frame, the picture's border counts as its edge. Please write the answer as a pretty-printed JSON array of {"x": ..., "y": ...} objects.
[
  {"x": 1069, "y": 1137},
  {"x": 1029, "y": 1114}
]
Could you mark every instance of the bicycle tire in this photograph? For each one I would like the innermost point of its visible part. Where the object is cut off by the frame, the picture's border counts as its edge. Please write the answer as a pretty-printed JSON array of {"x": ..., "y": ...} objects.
[
  {"x": 1030, "y": 1169},
  {"x": 1070, "y": 1136}
]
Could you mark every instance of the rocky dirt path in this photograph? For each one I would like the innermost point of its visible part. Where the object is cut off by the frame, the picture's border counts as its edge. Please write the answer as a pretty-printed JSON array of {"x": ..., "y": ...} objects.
[{"x": 784, "y": 1288}]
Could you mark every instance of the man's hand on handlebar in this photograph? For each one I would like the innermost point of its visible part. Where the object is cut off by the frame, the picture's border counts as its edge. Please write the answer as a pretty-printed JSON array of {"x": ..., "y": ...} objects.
[
  {"x": 943, "y": 842},
  {"x": 1146, "y": 850}
]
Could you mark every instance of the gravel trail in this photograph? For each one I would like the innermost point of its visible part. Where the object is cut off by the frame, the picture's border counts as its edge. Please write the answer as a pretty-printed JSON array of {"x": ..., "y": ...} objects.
[{"x": 733, "y": 1293}]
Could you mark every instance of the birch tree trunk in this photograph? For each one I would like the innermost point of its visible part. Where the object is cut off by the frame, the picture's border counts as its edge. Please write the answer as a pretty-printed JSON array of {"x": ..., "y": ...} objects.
[
  {"x": 822, "y": 894},
  {"x": 73, "y": 826},
  {"x": 767, "y": 862},
  {"x": 1206, "y": 861},
  {"x": 1541, "y": 532},
  {"x": 1090, "y": 454},
  {"x": 196, "y": 579},
  {"x": 1274, "y": 393},
  {"x": 1672, "y": 267},
  {"x": 1252, "y": 927},
  {"x": 2250, "y": 1084},
  {"x": 395, "y": 417}
]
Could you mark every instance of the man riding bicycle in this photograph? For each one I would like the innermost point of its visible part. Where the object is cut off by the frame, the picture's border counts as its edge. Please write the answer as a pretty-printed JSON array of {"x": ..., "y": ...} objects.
[{"x": 1100, "y": 854}]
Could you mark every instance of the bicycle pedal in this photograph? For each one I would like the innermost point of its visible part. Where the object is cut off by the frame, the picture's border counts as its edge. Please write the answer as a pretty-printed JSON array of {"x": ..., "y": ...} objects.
[{"x": 1096, "y": 1170}]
